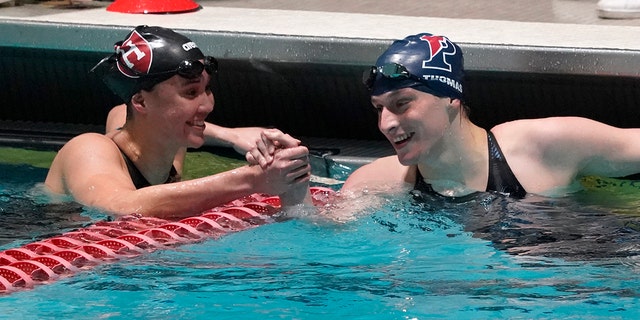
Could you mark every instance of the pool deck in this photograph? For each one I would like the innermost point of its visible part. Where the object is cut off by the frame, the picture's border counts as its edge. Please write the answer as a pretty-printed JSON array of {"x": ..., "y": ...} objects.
[{"x": 498, "y": 34}]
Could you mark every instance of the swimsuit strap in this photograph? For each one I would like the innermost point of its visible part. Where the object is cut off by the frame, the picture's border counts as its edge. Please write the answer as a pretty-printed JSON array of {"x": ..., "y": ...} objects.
[
  {"x": 420, "y": 185},
  {"x": 501, "y": 178},
  {"x": 139, "y": 181},
  {"x": 136, "y": 176}
]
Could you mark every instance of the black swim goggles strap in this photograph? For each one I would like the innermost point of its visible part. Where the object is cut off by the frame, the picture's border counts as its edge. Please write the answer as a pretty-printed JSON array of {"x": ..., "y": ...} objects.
[
  {"x": 390, "y": 70},
  {"x": 190, "y": 69}
]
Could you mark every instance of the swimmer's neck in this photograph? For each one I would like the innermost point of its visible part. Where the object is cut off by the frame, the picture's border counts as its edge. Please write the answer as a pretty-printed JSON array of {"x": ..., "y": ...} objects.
[{"x": 463, "y": 164}]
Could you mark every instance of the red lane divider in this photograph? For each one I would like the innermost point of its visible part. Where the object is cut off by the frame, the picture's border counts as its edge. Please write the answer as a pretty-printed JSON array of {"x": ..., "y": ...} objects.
[{"x": 43, "y": 261}]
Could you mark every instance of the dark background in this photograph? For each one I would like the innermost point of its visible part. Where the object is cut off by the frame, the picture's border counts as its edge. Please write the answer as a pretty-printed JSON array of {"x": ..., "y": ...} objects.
[{"x": 53, "y": 88}]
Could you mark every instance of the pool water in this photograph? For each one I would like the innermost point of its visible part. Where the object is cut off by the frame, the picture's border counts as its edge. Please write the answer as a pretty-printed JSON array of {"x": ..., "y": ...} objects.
[{"x": 482, "y": 258}]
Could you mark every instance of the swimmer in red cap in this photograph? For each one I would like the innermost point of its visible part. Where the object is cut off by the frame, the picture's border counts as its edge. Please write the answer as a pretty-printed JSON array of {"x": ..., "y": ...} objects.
[
  {"x": 165, "y": 80},
  {"x": 417, "y": 89}
]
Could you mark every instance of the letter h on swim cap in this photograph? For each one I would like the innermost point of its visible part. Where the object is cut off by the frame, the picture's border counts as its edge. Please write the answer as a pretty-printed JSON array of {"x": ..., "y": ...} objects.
[
  {"x": 148, "y": 55},
  {"x": 435, "y": 65}
]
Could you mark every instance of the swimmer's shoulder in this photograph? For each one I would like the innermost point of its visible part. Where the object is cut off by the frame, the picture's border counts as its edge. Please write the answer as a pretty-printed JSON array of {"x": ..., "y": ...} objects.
[
  {"x": 87, "y": 149},
  {"x": 80, "y": 155},
  {"x": 386, "y": 170},
  {"x": 89, "y": 142}
]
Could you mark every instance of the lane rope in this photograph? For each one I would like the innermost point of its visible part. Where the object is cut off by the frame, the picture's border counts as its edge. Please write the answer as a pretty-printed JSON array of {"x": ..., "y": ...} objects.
[{"x": 130, "y": 236}]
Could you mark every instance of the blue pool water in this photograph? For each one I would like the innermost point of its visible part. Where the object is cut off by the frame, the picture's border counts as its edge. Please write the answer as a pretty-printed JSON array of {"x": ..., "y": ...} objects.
[{"x": 399, "y": 260}]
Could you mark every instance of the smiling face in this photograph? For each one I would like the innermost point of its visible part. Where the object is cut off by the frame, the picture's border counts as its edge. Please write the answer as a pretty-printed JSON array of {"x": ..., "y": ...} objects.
[
  {"x": 178, "y": 108},
  {"x": 414, "y": 122}
]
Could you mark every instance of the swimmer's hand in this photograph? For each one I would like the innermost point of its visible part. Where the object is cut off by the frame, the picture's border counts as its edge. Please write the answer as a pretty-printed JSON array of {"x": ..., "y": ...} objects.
[{"x": 265, "y": 147}]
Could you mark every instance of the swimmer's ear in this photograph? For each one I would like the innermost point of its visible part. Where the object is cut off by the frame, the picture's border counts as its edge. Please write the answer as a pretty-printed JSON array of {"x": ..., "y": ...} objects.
[
  {"x": 137, "y": 101},
  {"x": 455, "y": 102},
  {"x": 455, "y": 107}
]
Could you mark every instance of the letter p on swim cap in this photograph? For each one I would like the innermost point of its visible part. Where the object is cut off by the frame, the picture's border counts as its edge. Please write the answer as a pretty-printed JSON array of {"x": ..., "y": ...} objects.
[
  {"x": 426, "y": 62},
  {"x": 147, "y": 56}
]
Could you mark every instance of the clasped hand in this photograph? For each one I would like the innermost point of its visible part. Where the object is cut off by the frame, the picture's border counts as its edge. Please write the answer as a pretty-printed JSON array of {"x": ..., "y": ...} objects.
[{"x": 286, "y": 164}]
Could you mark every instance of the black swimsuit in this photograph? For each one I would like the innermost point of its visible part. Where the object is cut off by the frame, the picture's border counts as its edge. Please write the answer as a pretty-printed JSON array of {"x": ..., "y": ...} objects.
[
  {"x": 501, "y": 178},
  {"x": 139, "y": 180}
]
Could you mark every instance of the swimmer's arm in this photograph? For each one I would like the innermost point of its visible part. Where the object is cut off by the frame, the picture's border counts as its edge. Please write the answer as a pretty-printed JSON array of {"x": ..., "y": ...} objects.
[
  {"x": 617, "y": 153},
  {"x": 591, "y": 147},
  {"x": 192, "y": 197},
  {"x": 116, "y": 118},
  {"x": 387, "y": 170},
  {"x": 241, "y": 139},
  {"x": 91, "y": 171}
]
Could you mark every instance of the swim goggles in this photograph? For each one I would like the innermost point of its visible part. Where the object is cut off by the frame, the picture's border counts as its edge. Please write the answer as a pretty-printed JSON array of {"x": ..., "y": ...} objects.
[
  {"x": 390, "y": 70},
  {"x": 189, "y": 69}
]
